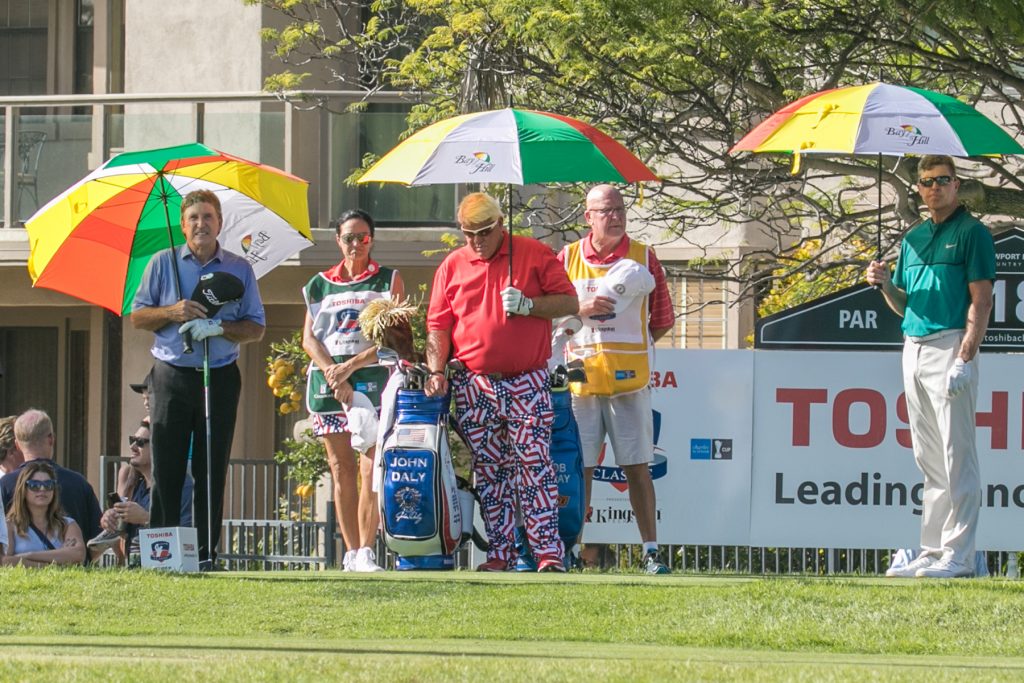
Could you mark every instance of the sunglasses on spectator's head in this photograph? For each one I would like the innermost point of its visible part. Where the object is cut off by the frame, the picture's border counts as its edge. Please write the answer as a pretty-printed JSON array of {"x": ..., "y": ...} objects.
[
  {"x": 354, "y": 238},
  {"x": 481, "y": 232},
  {"x": 137, "y": 441},
  {"x": 942, "y": 181},
  {"x": 41, "y": 484}
]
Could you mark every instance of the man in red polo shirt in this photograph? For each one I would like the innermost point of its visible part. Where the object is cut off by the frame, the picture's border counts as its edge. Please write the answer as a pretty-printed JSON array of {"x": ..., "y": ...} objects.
[{"x": 500, "y": 334}]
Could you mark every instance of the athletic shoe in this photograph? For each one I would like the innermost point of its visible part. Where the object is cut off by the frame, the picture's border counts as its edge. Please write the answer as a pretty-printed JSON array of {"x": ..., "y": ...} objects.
[
  {"x": 494, "y": 565},
  {"x": 526, "y": 563},
  {"x": 946, "y": 568},
  {"x": 365, "y": 561},
  {"x": 551, "y": 564},
  {"x": 104, "y": 540},
  {"x": 348, "y": 561},
  {"x": 651, "y": 564},
  {"x": 910, "y": 570}
]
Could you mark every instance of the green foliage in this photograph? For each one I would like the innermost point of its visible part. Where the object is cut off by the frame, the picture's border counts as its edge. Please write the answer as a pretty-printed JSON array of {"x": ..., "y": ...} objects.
[
  {"x": 306, "y": 459},
  {"x": 809, "y": 272},
  {"x": 679, "y": 81}
]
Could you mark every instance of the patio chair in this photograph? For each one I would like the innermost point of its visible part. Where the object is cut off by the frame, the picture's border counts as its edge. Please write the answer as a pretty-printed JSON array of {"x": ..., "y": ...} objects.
[{"x": 30, "y": 148}]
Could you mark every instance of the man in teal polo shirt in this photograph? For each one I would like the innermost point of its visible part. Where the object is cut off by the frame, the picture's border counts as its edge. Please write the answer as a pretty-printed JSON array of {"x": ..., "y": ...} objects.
[{"x": 942, "y": 287}]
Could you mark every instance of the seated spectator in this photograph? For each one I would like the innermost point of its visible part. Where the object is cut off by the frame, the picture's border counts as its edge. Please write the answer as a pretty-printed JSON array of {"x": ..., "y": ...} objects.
[
  {"x": 38, "y": 532},
  {"x": 33, "y": 433},
  {"x": 123, "y": 521},
  {"x": 10, "y": 455}
]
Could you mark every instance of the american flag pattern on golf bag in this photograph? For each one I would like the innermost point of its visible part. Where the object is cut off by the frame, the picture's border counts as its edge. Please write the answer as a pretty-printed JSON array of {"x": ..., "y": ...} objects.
[{"x": 507, "y": 423}]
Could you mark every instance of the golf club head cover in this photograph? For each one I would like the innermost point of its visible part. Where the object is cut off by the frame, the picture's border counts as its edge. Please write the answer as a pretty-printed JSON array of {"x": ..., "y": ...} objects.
[{"x": 213, "y": 291}]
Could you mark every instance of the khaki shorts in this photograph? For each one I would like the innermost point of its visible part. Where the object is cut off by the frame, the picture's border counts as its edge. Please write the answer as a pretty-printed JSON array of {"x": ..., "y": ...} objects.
[{"x": 626, "y": 420}]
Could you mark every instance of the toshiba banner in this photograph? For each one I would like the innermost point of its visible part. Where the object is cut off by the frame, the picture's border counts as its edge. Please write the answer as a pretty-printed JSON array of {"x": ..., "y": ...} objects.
[
  {"x": 805, "y": 449},
  {"x": 701, "y": 469},
  {"x": 833, "y": 465}
]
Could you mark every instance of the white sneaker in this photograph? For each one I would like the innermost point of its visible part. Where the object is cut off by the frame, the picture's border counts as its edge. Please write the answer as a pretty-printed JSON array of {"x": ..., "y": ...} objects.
[
  {"x": 365, "y": 561},
  {"x": 910, "y": 570},
  {"x": 348, "y": 561},
  {"x": 946, "y": 568}
]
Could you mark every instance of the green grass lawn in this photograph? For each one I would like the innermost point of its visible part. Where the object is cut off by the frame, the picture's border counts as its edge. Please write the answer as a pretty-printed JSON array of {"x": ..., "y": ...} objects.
[{"x": 116, "y": 625}]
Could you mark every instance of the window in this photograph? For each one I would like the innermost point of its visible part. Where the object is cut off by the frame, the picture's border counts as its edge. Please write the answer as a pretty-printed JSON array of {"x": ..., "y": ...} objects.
[
  {"x": 23, "y": 35},
  {"x": 702, "y": 307}
]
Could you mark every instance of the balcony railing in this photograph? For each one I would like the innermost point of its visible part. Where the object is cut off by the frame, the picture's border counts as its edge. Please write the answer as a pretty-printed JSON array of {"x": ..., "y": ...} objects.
[{"x": 312, "y": 134}]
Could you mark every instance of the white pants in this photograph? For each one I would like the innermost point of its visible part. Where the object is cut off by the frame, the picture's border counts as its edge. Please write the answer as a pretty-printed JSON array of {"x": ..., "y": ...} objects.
[{"x": 943, "y": 433}]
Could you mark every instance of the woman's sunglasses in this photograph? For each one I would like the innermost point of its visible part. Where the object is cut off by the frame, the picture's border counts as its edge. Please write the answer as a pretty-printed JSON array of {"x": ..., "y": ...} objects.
[
  {"x": 138, "y": 441},
  {"x": 41, "y": 484},
  {"x": 354, "y": 238}
]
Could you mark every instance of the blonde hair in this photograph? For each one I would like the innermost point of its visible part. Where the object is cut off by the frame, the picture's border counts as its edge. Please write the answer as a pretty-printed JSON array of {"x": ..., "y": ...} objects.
[
  {"x": 32, "y": 426},
  {"x": 6, "y": 434},
  {"x": 478, "y": 208}
]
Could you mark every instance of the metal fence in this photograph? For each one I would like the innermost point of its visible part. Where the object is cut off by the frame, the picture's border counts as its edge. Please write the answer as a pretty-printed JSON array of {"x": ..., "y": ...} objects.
[{"x": 268, "y": 527}]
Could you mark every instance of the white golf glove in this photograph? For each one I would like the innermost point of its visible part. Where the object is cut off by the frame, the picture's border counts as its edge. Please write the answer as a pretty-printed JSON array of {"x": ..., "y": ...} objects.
[
  {"x": 201, "y": 328},
  {"x": 515, "y": 303},
  {"x": 959, "y": 376}
]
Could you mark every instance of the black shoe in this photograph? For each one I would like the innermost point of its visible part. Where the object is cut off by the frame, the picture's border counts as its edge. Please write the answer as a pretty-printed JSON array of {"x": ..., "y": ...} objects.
[{"x": 210, "y": 566}]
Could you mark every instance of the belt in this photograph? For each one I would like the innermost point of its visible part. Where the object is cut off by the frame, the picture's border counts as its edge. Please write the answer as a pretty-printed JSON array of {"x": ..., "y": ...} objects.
[
  {"x": 935, "y": 335},
  {"x": 187, "y": 368}
]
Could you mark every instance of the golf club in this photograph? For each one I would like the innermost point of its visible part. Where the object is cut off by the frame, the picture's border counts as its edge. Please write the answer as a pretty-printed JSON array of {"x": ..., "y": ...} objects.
[{"x": 213, "y": 291}]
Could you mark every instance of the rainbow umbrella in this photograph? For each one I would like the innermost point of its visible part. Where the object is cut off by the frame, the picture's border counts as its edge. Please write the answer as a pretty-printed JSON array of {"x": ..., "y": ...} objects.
[
  {"x": 513, "y": 146},
  {"x": 878, "y": 119},
  {"x": 93, "y": 241}
]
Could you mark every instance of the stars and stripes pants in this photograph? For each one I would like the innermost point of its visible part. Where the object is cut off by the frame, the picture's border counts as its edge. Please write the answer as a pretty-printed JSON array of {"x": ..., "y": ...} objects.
[{"x": 507, "y": 423}]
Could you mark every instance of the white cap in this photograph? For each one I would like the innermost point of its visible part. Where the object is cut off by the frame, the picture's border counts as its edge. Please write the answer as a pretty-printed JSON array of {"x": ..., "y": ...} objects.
[{"x": 625, "y": 281}]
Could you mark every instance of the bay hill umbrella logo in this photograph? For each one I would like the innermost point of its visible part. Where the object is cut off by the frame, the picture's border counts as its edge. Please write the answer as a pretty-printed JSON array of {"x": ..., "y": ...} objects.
[
  {"x": 909, "y": 135},
  {"x": 477, "y": 162}
]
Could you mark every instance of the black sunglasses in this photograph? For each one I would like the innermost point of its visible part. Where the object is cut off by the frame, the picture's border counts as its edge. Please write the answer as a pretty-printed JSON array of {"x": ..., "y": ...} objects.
[
  {"x": 353, "y": 238},
  {"x": 942, "y": 180},
  {"x": 41, "y": 484},
  {"x": 138, "y": 441}
]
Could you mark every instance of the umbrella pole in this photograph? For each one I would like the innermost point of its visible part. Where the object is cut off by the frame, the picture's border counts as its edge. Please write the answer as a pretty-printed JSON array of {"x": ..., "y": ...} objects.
[
  {"x": 510, "y": 235},
  {"x": 209, "y": 454},
  {"x": 187, "y": 337},
  {"x": 878, "y": 232}
]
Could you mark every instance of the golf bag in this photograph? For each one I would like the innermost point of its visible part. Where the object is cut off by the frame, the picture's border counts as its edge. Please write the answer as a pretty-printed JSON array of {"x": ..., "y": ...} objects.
[
  {"x": 420, "y": 508},
  {"x": 567, "y": 460}
]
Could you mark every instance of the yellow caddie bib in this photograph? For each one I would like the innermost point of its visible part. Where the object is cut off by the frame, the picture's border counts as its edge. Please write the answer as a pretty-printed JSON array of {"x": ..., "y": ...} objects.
[{"x": 616, "y": 348}]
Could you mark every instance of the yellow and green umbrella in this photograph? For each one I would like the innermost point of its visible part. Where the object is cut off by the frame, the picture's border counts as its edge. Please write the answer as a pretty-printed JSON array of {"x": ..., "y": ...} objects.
[
  {"x": 878, "y": 119},
  {"x": 93, "y": 241},
  {"x": 514, "y": 146}
]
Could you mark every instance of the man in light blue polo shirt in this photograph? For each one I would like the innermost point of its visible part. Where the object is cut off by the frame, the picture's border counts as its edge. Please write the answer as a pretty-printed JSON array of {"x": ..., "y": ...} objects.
[
  {"x": 942, "y": 287},
  {"x": 176, "y": 390}
]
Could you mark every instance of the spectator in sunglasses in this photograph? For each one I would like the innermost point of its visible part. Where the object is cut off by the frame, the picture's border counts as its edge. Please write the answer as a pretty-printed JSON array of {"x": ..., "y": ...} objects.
[
  {"x": 38, "y": 531},
  {"x": 121, "y": 523},
  {"x": 33, "y": 433}
]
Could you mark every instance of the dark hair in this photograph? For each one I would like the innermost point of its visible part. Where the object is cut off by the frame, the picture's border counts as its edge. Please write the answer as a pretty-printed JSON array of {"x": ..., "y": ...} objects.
[
  {"x": 930, "y": 161},
  {"x": 201, "y": 197},
  {"x": 354, "y": 213}
]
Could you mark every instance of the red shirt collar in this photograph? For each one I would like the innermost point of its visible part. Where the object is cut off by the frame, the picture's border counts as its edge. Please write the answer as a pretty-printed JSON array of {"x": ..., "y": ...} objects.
[
  {"x": 620, "y": 250},
  {"x": 337, "y": 273}
]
